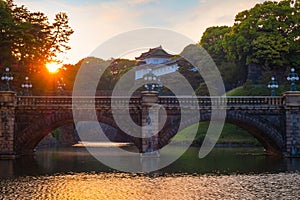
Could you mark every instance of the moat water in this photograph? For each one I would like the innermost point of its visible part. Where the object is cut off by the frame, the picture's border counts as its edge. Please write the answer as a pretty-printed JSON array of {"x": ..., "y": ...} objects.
[{"x": 226, "y": 173}]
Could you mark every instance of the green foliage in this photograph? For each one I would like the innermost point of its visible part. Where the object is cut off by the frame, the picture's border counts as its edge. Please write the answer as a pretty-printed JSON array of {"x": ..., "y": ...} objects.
[
  {"x": 267, "y": 34},
  {"x": 190, "y": 73},
  {"x": 198, "y": 57},
  {"x": 6, "y": 22},
  {"x": 249, "y": 89},
  {"x": 117, "y": 68},
  {"x": 230, "y": 134},
  {"x": 202, "y": 90},
  {"x": 212, "y": 41},
  {"x": 269, "y": 50},
  {"x": 56, "y": 134},
  {"x": 110, "y": 72}
]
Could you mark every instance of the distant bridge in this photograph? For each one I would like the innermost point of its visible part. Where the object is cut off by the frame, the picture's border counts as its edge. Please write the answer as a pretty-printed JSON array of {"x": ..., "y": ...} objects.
[{"x": 26, "y": 120}]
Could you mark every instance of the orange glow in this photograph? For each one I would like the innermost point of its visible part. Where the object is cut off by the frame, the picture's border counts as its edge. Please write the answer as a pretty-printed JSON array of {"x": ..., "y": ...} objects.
[{"x": 53, "y": 67}]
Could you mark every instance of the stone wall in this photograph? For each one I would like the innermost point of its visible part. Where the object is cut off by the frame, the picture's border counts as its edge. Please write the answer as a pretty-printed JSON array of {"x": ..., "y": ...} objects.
[
  {"x": 292, "y": 101},
  {"x": 7, "y": 119},
  {"x": 254, "y": 72}
]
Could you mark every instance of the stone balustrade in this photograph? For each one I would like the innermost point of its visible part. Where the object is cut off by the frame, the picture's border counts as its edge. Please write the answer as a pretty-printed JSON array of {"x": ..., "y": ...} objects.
[
  {"x": 68, "y": 101},
  {"x": 237, "y": 101},
  {"x": 165, "y": 100}
]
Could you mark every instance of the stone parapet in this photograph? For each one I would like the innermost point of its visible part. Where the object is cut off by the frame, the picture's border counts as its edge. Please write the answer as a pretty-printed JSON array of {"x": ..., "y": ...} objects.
[{"x": 292, "y": 98}]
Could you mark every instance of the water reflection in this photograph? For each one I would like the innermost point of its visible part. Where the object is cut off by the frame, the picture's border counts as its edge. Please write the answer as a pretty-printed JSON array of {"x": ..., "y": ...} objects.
[
  {"x": 233, "y": 160},
  {"x": 72, "y": 173},
  {"x": 219, "y": 161}
]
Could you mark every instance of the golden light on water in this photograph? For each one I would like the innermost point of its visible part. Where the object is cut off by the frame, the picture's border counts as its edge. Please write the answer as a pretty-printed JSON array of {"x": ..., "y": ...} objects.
[
  {"x": 135, "y": 187},
  {"x": 101, "y": 144},
  {"x": 53, "y": 67}
]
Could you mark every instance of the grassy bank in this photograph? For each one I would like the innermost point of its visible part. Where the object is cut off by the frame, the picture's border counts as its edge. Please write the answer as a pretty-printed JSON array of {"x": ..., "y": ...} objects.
[
  {"x": 231, "y": 134},
  {"x": 258, "y": 90}
]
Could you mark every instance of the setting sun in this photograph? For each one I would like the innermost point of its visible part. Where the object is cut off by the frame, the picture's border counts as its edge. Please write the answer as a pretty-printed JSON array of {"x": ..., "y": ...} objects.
[{"x": 53, "y": 67}]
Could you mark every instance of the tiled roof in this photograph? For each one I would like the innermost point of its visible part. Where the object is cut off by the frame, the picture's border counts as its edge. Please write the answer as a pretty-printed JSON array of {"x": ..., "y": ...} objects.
[{"x": 157, "y": 52}]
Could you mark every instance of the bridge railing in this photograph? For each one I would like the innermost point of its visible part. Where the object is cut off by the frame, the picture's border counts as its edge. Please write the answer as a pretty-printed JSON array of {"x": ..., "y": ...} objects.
[
  {"x": 232, "y": 101},
  {"x": 43, "y": 100},
  {"x": 69, "y": 101},
  {"x": 170, "y": 101},
  {"x": 255, "y": 100}
]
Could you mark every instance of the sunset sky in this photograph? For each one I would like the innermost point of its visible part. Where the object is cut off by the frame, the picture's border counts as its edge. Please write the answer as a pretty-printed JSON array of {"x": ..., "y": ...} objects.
[{"x": 95, "y": 21}]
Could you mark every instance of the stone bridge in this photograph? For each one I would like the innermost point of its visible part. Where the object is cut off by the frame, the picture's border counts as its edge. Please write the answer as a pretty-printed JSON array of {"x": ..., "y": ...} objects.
[{"x": 26, "y": 120}]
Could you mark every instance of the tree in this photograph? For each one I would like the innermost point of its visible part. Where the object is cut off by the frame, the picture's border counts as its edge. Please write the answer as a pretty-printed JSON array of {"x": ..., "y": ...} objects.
[
  {"x": 28, "y": 39},
  {"x": 115, "y": 71},
  {"x": 6, "y": 31},
  {"x": 232, "y": 73},
  {"x": 60, "y": 33},
  {"x": 212, "y": 40},
  {"x": 267, "y": 34}
]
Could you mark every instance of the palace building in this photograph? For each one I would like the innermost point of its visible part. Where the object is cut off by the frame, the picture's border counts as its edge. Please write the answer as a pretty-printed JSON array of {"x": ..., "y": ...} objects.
[{"x": 158, "y": 61}]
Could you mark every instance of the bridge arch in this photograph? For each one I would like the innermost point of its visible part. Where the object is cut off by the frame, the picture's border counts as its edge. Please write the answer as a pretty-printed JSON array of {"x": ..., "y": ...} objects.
[
  {"x": 28, "y": 138},
  {"x": 268, "y": 135}
]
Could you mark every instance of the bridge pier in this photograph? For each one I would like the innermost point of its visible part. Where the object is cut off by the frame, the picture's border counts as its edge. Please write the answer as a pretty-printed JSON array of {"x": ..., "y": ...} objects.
[
  {"x": 149, "y": 140},
  {"x": 292, "y": 114},
  {"x": 7, "y": 120}
]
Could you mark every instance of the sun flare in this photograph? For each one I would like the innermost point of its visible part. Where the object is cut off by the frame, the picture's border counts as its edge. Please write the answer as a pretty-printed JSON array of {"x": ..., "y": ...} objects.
[{"x": 53, "y": 67}]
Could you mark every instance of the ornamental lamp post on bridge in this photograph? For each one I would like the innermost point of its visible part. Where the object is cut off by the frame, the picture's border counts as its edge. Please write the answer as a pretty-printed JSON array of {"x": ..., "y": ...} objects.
[
  {"x": 293, "y": 77},
  {"x": 7, "y": 76},
  {"x": 272, "y": 85},
  {"x": 61, "y": 85},
  {"x": 151, "y": 78},
  {"x": 27, "y": 85}
]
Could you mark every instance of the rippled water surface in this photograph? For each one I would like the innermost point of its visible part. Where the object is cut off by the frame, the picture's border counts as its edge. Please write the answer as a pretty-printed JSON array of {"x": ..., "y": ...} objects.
[
  {"x": 124, "y": 186},
  {"x": 227, "y": 173}
]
